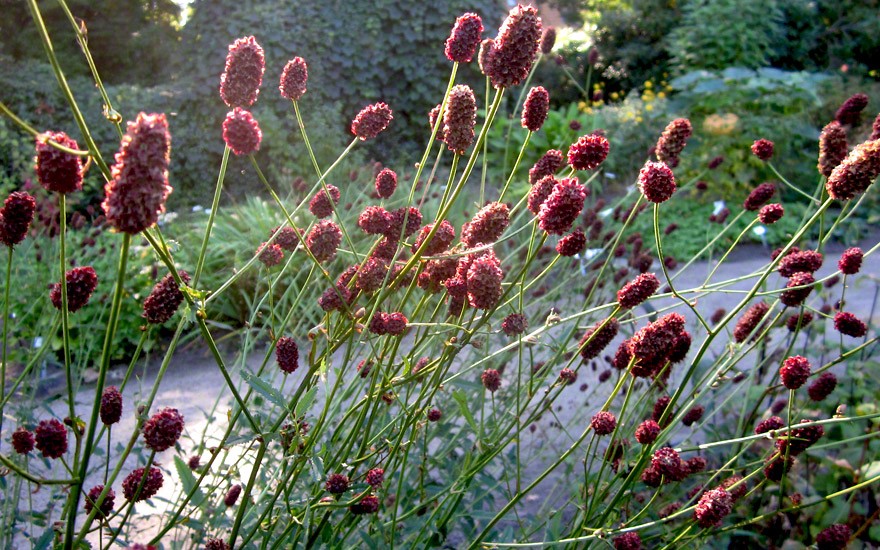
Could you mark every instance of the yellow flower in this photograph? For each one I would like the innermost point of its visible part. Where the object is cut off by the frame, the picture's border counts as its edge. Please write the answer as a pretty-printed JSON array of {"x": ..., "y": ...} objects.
[
  {"x": 638, "y": 119},
  {"x": 661, "y": 95},
  {"x": 615, "y": 95},
  {"x": 649, "y": 107},
  {"x": 648, "y": 84}
]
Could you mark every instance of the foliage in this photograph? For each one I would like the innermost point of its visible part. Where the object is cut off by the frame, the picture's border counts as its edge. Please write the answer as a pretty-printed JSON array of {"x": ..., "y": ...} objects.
[{"x": 716, "y": 34}]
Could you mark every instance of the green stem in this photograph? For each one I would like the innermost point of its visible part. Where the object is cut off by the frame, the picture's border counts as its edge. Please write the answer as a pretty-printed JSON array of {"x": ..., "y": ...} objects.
[
  {"x": 215, "y": 204},
  {"x": 8, "y": 282},
  {"x": 65, "y": 320}
]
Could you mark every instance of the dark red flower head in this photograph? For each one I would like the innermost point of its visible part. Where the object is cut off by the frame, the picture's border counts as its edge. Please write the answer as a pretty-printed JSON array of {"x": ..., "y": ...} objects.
[
  {"x": 588, "y": 152},
  {"x": 440, "y": 242},
  {"x": 491, "y": 380},
  {"x": 850, "y": 325},
  {"x": 58, "y": 171},
  {"x": 540, "y": 192},
  {"x": 850, "y": 261},
  {"x": 794, "y": 296},
  {"x": 572, "y": 244},
  {"x": 81, "y": 283},
  {"x": 270, "y": 254},
  {"x": 164, "y": 299},
  {"x": 713, "y": 507},
  {"x": 794, "y": 372},
  {"x": 749, "y": 321},
  {"x": 693, "y": 415},
  {"x": 510, "y": 58},
  {"x": 111, "y": 405},
  {"x": 603, "y": 423},
  {"x": 163, "y": 429},
  {"x": 647, "y": 432},
  {"x": 487, "y": 225},
  {"x": 769, "y": 425},
  {"x": 628, "y": 541},
  {"x": 51, "y": 438},
  {"x": 484, "y": 278},
  {"x": 106, "y": 504},
  {"x": 367, "y": 505},
  {"x": 459, "y": 119},
  {"x": 241, "y": 132},
  {"x": 672, "y": 141},
  {"x": 375, "y": 477},
  {"x": 547, "y": 165},
  {"x": 287, "y": 354},
  {"x": 562, "y": 207},
  {"x": 22, "y": 441},
  {"x": 294, "y": 79},
  {"x": 822, "y": 386},
  {"x": 535, "y": 109},
  {"x": 337, "y": 484},
  {"x": 216, "y": 544},
  {"x": 759, "y": 196},
  {"x": 763, "y": 149},
  {"x": 411, "y": 216},
  {"x": 371, "y": 121},
  {"x": 656, "y": 182},
  {"x": 850, "y": 111},
  {"x": 638, "y": 290},
  {"x": 232, "y": 495},
  {"x": 288, "y": 238},
  {"x": 875, "y": 129},
  {"x": 241, "y": 79},
  {"x": 801, "y": 261},
  {"x": 16, "y": 217},
  {"x": 514, "y": 324},
  {"x": 464, "y": 38},
  {"x": 834, "y": 537},
  {"x": 597, "y": 338},
  {"x": 797, "y": 322},
  {"x": 856, "y": 173},
  {"x": 548, "y": 40},
  {"x": 136, "y": 195},
  {"x": 386, "y": 183},
  {"x": 771, "y": 213},
  {"x": 832, "y": 147},
  {"x": 321, "y": 205},
  {"x": 667, "y": 462},
  {"x": 151, "y": 485},
  {"x": 323, "y": 240},
  {"x": 434, "y": 415}
]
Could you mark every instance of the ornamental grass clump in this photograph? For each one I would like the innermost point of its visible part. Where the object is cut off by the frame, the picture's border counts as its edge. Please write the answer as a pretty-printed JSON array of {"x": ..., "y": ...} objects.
[{"x": 450, "y": 350}]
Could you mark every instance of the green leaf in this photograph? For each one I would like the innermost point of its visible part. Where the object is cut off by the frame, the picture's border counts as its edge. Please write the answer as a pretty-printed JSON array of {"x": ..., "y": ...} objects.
[
  {"x": 461, "y": 399},
  {"x": 264, "y": 388},
  {"x": 305, "y": 402},
  {"x": 188, "y": 480}
]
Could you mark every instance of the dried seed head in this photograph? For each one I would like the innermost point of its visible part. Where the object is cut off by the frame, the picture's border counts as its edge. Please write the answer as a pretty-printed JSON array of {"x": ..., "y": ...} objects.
[
  {"x": 850, "y": 325},
  {"x": 771, "y": 213},
  {"x": 164, "y": 299},
  {"x": 81, "y": 283},
  {"x": 163, "y": 429},
  {"x": 535, "y": 109},
  {"x": 111, "y": 405},
  {"x": 672, "y": 141},
  {"x": 759, "y": 196},
  {"x": 588, "y": 152},
  {"x": 241, "y": 79},
  {"x": 58, "y": 171},
  {"x": 464, "y": 38},
  {"x": 371, "y": 121},
  {"x": 16, "y": 217},
  {"x": 136, "y": 194},
  {"x": 287, "y": 354},
  {"x": 459, "y": 119},
  {"x": 857, "y": 171},
  {"x": 549, "y": 163},
  {"x": 832, "y": 147},
  {"x": 152, "y": 484},
  {"x": 763, "y": 149},
  {"x": 656, "y": 182},
  {"x": 562, "y": 207},
  {"x": 510, "y": 58},
  {"x": 294, "y": 79}
]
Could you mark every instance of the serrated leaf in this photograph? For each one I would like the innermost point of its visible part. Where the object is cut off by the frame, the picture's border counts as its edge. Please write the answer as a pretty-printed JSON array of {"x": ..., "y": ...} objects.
[
  {"x": 461, "y": 399},
  {"x": 264, "y": 388},
  {"x": 305, "y": 402},
  {"x": 188, "y": 480}
]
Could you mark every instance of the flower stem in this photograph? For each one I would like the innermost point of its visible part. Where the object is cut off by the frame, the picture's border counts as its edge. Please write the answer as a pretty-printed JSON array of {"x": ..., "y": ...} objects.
[{"x": 215, "y": 204}]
